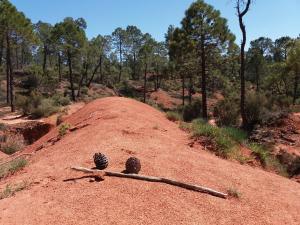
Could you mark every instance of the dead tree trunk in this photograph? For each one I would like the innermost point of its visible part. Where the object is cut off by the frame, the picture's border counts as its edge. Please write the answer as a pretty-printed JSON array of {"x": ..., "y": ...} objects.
[
  {"x": 10, "y": 81},
  {"x": 241, "y": 14}
]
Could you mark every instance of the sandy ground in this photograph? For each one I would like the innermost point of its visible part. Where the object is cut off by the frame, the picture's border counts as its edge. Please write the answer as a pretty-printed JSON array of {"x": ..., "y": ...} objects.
[{"x": 121, "y": 128}]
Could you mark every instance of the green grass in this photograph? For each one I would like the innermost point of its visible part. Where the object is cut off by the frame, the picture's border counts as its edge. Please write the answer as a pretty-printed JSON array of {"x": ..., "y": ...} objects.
[
  {"x": 173, "y": 116},
  {"x": 10, "y": 190},
  {"x": 63, "y": 129},
  {"x": 12, "y": 167},
  {"x": 13, "y": 144},
  {"x": 236, "y": 134},
  {"x": 223, "y": 142},
  {"x": 268, "y": 160}
]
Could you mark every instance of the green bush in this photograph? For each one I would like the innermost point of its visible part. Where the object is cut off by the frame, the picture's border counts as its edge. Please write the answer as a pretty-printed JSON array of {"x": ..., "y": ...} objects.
[
  {"x": 63, "y": 129},
  {"x": 192, "y": 111},
  {"x": 12, "y": 167},
  {"x": 13, "y": 144},
  {"x": 60, "y": 100},
  {"x": 127, "y": 90},
  {"x": 84, "y": 90},
  {"x": 226, "y": 112},
  {"x": 255, "y": 106},
  {"x": 44, "y": 109},
  {"x": 28, "y": 103},
  {"x": 173, "y": 116},
  {"x": 222, "y": 142},
  {"x": 236, "y": 134}
]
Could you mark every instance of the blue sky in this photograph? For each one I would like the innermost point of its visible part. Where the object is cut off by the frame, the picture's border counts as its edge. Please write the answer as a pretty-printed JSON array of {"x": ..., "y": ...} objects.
[{"x": 270, "y": 18}]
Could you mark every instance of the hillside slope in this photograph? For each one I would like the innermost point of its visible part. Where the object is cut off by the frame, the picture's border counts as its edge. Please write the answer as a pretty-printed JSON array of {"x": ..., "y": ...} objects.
[{"x": 121, "y": 127}]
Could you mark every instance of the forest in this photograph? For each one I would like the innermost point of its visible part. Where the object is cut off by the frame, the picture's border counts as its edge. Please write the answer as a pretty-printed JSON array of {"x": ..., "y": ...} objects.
[{"x": 200, "y": 127}]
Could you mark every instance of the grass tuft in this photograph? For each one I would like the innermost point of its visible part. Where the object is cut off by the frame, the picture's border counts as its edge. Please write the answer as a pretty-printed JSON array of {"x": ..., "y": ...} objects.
[
  {"x": 12, "y": 167},
  {"x": 10, "y": 190},
  {"x": 173, "y": 116}
]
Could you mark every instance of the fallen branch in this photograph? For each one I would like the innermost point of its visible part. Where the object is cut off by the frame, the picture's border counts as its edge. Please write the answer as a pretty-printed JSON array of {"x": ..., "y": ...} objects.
[{"x": 102, "y": 173}]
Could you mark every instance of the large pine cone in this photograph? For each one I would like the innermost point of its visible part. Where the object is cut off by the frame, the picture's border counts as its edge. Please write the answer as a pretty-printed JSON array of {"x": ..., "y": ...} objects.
[
  {"x": 133, "y": 165},
  {"x": 101, "y": 161}
]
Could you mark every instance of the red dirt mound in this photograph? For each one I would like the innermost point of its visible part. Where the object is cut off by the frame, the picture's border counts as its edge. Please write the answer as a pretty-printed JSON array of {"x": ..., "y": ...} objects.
[{"x": 120, "y": 128}]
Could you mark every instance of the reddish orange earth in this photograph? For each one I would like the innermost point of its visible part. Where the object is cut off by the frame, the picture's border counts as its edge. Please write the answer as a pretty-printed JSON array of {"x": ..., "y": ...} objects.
[{"x": 120, "y": 128}]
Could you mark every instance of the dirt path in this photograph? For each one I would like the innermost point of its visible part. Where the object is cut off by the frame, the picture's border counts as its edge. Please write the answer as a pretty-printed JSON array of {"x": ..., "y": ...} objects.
[{"x": 121, "y": 128}]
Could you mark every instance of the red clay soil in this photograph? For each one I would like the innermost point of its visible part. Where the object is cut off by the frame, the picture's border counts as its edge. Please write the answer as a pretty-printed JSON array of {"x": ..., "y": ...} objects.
[
  {"x": 163, "y": 98},
  {"x": 120, "y": 128}
]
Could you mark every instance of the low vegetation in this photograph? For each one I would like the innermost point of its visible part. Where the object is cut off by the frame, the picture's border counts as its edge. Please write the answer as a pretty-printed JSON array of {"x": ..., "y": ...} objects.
[
  {"x": 63, "y": 129},
  {"x": 234, "y": 193},
  {"x": 12, "y": 167},
  {"x": 12, "y": 144},
  {"x": 173, "y": 116},
  {"x": 11, "y": 190}
]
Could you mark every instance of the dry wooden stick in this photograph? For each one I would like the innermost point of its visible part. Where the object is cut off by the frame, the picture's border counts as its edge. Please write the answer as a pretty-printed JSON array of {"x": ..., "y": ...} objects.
[{"x": 103, "y": 173}]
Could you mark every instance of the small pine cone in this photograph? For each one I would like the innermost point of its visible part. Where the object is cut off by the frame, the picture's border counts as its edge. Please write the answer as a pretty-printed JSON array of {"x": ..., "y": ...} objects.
[
  {"x": 101, "y": 161},
  {"x": 133, "y": 165}
]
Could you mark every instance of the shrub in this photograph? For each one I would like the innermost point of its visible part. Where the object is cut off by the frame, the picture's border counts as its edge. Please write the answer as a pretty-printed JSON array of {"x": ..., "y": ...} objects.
[
  {"x": 11, "y": 190},
  {"x": 27, "y": 104},
  {"x": 60, "y": 100},
  {"x": 254, "y": 108},
  {"x": 84, "y": 90},
  {"x": 236, "y": 134},
  {"x": 192, "y": 111},
  {"x": 63, "y": 129},
  {"x": 173, "y": 116},
  {"x": 13, "y": 144},
  {"x": 226, "y": 112},
  {"x": 46, "y": 108},
  {"x": 12, "y": 167},
  {"x": 222, "y": 142},
  {"x": 126, "y": 89}
]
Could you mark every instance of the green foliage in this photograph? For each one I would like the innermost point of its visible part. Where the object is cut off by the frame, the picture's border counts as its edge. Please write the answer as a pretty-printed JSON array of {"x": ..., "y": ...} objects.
[
  {"x": 226, "y": 112},
  {"x": 127, "y": 90},
  {"x": 60, "y": 100},
  {"x": 12, "y": 167},
  {"x": 192, "y": 111},
  {"x": 37, "y": 106},
  {"x": 63, "y": 129},
  {"x": 236, "y": 134},
  {"x": 173, "y": 116},
  {"x": 45, "y": 108},
  {"x": 13, "y": 144},
  {"x": 222, "y": 142},
  {"x": 10, "y": 190}
]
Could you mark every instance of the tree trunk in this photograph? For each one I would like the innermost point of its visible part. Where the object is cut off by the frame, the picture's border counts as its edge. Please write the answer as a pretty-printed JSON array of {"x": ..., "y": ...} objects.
[
  {"x": 86, "y": 66},
  {"x": 17, "y": 59},
  {"x": 145, "y": 82},
  {"x": 121, "y": 61},
  {"x": 295, "y": 87},
  {"x": 59, "y": 66},
  {"x": 242, "y": 70},
  {"x": 134, "y": 67},
  {"x": 100, "y": 69},
  {"x": 10, "y": 77},
  {"x": 203, "y": 79},
  {"x": 190, "y": 90},
  {"x": 183, "y": 88},
  {"x": 94, "y": 72},
  {"x": 257, "y": 79},
  {"x": 45, "y": 60},
  {"x": 71, "y": 75},
  {"x": 1, "y": 50}
]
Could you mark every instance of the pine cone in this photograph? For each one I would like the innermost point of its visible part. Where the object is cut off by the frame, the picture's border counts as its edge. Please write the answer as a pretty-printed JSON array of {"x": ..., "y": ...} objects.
[
  {"x": 133, "y": 165},
  {"x": 101, "y": 161}
]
